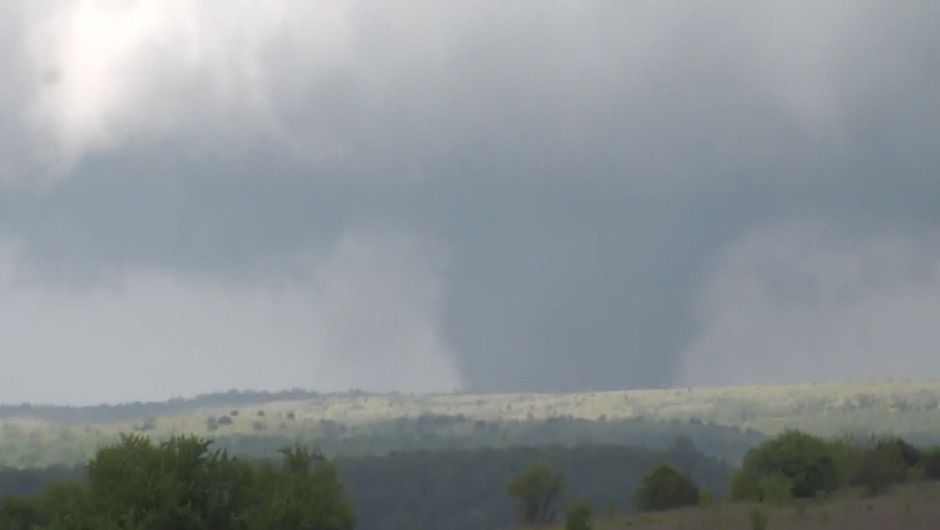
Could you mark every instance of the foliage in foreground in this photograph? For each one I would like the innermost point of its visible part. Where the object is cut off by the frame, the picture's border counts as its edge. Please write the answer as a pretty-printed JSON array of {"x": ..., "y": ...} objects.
[
  {"x": 579, "y": 516},
  {"x": 180, "y": 484},
  {"x": 466, "y": 489},
  {"x": 538, "y": 491},
  {"x": 796, "y": 465}
]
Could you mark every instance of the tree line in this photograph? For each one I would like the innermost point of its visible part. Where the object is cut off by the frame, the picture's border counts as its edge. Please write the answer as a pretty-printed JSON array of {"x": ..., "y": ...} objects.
[
  {"x": 261, "y": 434},
  {"x": 105, "y": 413},
  {"x": 455, "y": 489}
]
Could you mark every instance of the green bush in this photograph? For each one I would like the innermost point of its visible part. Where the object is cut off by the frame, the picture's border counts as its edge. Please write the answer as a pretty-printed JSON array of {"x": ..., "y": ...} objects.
[
  {"x": 930, "y": 463},
  {"x": 848, "y": 454},
  {"x": 181, "y": 484},
  {"x": 900, "y": 451},
  {"x": 705, "y": 499},
  {"x": 890, "y": 461},
  {"x": 579, "y": 516},
  {"x": 537, "y": 492},
  {"x": 664, "y": 488},
  {"x": 804, "y": 461},
  {"x": 758, "y": 519},
  {"x": 776, "y": 488}
]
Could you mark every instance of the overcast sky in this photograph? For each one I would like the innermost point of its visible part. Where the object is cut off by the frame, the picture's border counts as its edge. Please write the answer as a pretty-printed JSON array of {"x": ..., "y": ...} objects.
[{"x": 488, "y": 196}]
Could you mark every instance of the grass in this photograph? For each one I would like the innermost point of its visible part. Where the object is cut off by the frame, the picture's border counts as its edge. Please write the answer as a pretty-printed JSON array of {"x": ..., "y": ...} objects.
[
  {"x": 910, "y": 506},
  {"x": 768, "y": 409}
]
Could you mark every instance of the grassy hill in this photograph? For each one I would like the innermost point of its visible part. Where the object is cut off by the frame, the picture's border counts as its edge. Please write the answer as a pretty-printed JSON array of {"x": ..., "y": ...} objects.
[{"x": 364, "y": 421}]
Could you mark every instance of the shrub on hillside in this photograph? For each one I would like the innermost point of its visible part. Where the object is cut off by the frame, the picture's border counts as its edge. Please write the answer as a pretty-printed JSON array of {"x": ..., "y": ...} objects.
[
  {"x": 537, "y": 491},
  {"x": 579, "y": 516},
  {"x": 804, "y": 463},
  {"x": 899, "y": 450},
  {"x": 664, "y": 488},
  {"x": 847, "y": 453},
  {"x": 890, "y": 461},
  {"x": 758, "y": 519},
  {"x": 930, "y": 463}
]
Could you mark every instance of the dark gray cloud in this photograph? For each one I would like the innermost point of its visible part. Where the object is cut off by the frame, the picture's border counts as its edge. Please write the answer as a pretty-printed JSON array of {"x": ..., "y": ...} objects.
[{"x": 487, "y": 197}]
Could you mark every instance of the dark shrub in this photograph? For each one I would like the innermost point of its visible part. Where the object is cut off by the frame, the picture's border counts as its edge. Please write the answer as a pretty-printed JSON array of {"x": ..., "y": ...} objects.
[
  {"x": 900, "y": 451},
  {"x": 579, "y": 516},
  {"x": 890, "y": 461},
  {"x": 806, "y": 461},
  {"x": 664, "y": 488},
  {"x": 930, "y": 463}
]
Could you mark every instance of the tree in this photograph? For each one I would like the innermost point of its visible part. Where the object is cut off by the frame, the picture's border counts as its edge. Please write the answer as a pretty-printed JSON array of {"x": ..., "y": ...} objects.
[
  {"x": 805, "y": 462},
  {"x": 177, "y": 483},
  {"x": 181, "y": 484},
  {"x": 899, "y": 450},
  {"x": 664, "y": 488},
  {"x": 22, "y": 512},
  {"x": 304, "y": 494},
  {"x": 891, "y": 460},
  {"x": 537, "y": 491},
  {"x": 930, "y": 462}
]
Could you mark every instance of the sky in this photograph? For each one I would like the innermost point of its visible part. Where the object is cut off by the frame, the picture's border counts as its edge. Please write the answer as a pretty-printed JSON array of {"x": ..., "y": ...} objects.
[{"x": 429, "y": 196}]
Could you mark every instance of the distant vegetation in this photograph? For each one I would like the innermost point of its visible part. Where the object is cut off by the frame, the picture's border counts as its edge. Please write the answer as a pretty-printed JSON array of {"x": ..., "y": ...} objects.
[
  {"x": 38, "y": 447},
  {"x": 106, "y": 413},
  {"x": 722, "y": 421},
  {"x": 831, "y": 407}
]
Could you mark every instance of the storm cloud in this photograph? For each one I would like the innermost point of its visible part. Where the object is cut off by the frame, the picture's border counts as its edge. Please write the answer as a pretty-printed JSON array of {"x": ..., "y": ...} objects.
[
  {"x": 813, "y": 300},
  {"x": 428, "y": 197}
]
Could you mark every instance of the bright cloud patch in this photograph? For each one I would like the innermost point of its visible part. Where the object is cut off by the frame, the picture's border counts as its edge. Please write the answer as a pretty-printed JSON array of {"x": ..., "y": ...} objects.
[
  {"x": 329, "y": 79},
  {"x": 796, "y": 303},
  {"x": 102, "y": 75}
]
